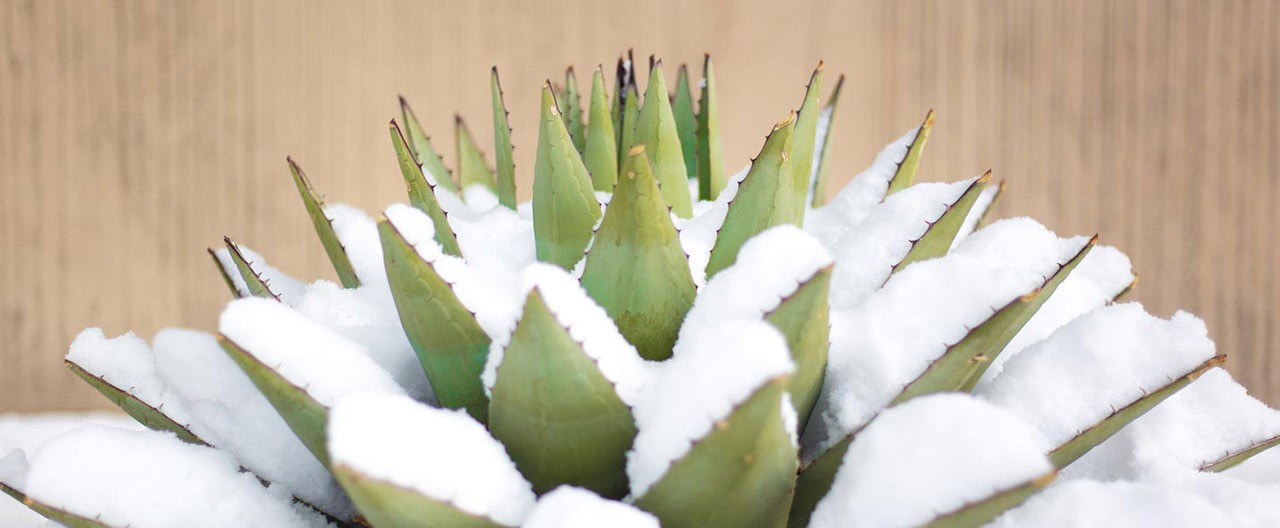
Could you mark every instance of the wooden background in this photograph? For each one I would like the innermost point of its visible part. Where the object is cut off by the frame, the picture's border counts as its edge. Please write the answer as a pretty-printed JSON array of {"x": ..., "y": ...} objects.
[{"x": 135, "y": 134}]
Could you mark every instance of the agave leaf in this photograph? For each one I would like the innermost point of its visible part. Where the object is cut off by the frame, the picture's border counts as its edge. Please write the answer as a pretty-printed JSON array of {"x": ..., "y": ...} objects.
[
  {"x": 145, "y": 414},
  {"x": 601, "y": 156},
  {"x": 766, "y": 198},
  {"x": 422, "y": 193},
  {"x": 324, "y": 228},
  {"x": 573, "y": 110},
  {"x": 711, "y": 177},
  {"x": 624, "y": 79},
  {"x": 58, "y": 515},
  {"x": 224, "y": 273},
  {"x": 1076, "y": 447},
  {"x": 446, "y": 337},
  {"x": 384, "y": 504},
  {"x": 1231, "y": 460},
  {"x": 565, "y": 209},
  {"x": 985, "y": 217},
  {"x": 558, "y": 416},
  {"x": 630, "y": 115},
  {"x": 258, "y": 286},
  {"x": 686, "y": 122},
  {"x": 941, "y": 234},
  {"x": 420, "y": 145},
  {"x": 741, "y": 474},
  {"x": 636, "y": 268},
  {"x": 907, "y": 169},
  {"x": 506, "y": 170},
  {"x": 472, "y": 168},
  {"x": 806, "y": 132},
  {"x": 815, "y": 481},
  {"x": 804, "y": 319},
  {"x": 824, "y": 150},
  {"x": 305, "y": 416},
  {"x": 979, "y": 513}
]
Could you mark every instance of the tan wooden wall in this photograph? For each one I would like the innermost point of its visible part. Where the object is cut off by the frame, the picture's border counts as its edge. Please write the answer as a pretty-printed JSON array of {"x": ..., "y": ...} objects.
[{"x": 135, "y": 134}]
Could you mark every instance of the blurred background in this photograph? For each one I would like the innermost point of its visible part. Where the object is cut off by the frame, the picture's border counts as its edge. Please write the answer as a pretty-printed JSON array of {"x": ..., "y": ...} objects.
[{"x": 134, "y": 134}]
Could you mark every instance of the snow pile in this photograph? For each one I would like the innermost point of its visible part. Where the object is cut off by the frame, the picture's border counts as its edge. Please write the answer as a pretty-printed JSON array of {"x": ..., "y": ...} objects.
[
  {"x": 1088, "y": 504},
  {"x": 871, "y": 250},
  {"x": 928, "y": 457},
  {"x": 830, "y": 222},
  {"x": 307, "y": 354},
  {"x": 490, "y": 235},
  {"x": 570, "y": 507},
  {"x": 1103, "y": 274},
  {"x": 889, "y": 340},
  {"x": 770, "y": 267},
  {"x": 588, "y": 325},
  {"x": 721, "y": 368},
  {"x": 1100, "y": 362},
  {"x": 443, "y": 454},
  {"x": 491, "y": 294},
  {"x": 147, "y": 479},
  {"x": 698, "y": 234},
  {"x": 359, "y": 237},
  {"x": 979, "y": 209},
  {"x": 281, "y": 283}
]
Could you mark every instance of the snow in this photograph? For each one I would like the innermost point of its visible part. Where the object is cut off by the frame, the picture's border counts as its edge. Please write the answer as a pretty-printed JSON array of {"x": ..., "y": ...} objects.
[
  {"x": 1103, "y": 360},
  {"x": 489, "y": 235},
  {"x": 490, "y": 294},
  {"x": 721, "y": 368},
  {"x": 589, "y": 325},
  {"x": 963, "y": 450},
  {"x": 889, "y": 340},
  {"x": 830, "y": 222},
  {"x": 979, "y": 209},
  {"x": 571, "y": 507},
  {"x": 698, "y": 234},
  {"x": 127, "y": 363},
  {"x": 307, "y": 354},
  {"x": 281, "y": 283},
  {"x": 770, "y": 267},
  {"x": 1088, "y": 504},
  {"x": 148, "y": 479},
  {"x": 819, "y": 146},
  {"x": 443, "y": 454},
  {"x": 359, "y": 237},
  {"x": 1103, "y": 274},
  {"x": 870, "y": 251}
]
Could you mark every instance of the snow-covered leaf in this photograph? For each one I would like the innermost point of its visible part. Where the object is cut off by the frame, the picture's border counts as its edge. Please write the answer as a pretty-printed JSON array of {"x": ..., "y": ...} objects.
[
  {"x": 941, "y": 233},
  {"x": 803, "y": 318},
  {"x": 570, "y": 507},
  {"x": 656, "y": 130},
  {"x": 252, "y": 278},
  {"x": 422, "y": 192},
  {"x": 503, "y": 151},
  {"x": 151, "y": 417},
  {"x": 565, "y": 210},
  {"x": 907, "y": 168},
  {"x": 324, "y": 228}
]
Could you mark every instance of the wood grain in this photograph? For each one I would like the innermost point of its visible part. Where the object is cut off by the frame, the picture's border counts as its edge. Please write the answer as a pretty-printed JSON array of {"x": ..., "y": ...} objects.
[{"x": 135, "y": 134}]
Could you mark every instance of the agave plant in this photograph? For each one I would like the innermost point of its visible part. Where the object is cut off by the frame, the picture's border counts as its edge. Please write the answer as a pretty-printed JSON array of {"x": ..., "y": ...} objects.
[{"x": 653, "y": 341}]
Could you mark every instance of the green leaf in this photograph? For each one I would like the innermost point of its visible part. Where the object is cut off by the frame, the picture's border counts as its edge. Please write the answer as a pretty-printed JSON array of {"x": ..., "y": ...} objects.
[
  {"x": 686, "y": 122},
  {"x": 624, "y": 79},
  {"x": 766, "y": 198},
  {"x": 985, "y": 217},
  {"x": 1233, "y": 459},
  {"x": 573, "y": 110},
  {"x": 558, "y": 416},
  {"x": 802, "y": 141},
  {"x": 386, "y": 505},
  {"x": 445, "y": 335},
  {"x": 804, "y": 319},
  {"x": 630, "y": 115},
  {"x": 656, "y": 130},
  {"x": 976, "y": 514},
  {"x": 472, "y": 168},
  {"x": 907, "y": 169},
  {"x": 422, "y": 193},
  {"x": 824, "y": 165},
  {"x": 711, "y": 177},
  {"x": 963, "y": 363},
  {"x": 636, "y": 268},
  {"x": 506, "y": 182},
  {"x": 741, "y": 474},
  {"x": 258, "y": 286},
  {"x": 939, "y": 236},
  {"x": 145, "y": 414},
  {"x": 225, "y": 273},
  {"x": 1077, "y": 446},
  {"x": 815, "y": 481},
  {"x": 324, "y": 228},
  {"x": 422, "y": 150},
  {"x": 601, "y": 157},
  {"x": 304, "y": 415},
  {"x": 565, "y": 209},
  {"x": 58, "y": 515}
]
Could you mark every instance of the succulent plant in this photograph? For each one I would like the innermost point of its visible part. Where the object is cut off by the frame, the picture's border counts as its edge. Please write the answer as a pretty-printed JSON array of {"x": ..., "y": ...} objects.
[{"x": 650, "y": 341}]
